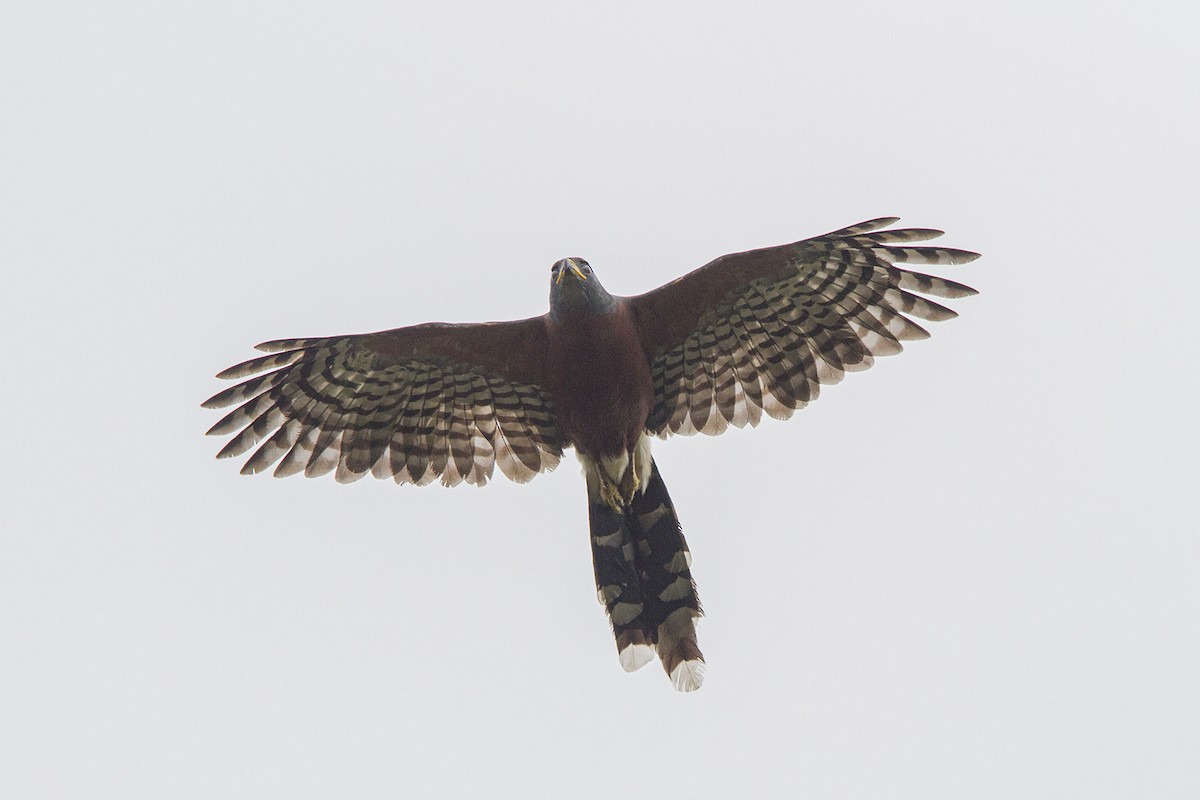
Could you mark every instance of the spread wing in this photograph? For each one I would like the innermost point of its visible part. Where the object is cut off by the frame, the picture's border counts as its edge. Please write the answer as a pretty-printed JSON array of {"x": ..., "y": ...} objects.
[
  {"x": 414, "y": 404},
  {"x": 763, "y": 330}
]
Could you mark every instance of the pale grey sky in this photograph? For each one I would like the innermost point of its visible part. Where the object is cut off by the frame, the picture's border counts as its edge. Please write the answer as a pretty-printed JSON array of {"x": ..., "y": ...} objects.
[{"x": 967, "y": 572}]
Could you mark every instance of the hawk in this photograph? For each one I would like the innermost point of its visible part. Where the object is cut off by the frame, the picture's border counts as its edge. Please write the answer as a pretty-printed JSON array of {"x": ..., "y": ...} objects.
[{"x": 745, "y": 335}]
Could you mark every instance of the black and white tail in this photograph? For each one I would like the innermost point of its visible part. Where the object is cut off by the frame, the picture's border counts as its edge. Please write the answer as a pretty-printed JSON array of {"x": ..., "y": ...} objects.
[{"x": 644, "y": 580}]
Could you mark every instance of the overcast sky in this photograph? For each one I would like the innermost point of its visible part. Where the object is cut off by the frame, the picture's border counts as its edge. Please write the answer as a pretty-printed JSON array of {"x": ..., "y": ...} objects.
[{"x": 968, "y": 572}]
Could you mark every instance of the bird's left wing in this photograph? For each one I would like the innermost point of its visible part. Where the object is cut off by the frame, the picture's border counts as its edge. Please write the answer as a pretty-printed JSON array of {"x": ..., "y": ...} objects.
[
  {"x": 763, "y": 330},
  {"x": 418, "y": 403}
]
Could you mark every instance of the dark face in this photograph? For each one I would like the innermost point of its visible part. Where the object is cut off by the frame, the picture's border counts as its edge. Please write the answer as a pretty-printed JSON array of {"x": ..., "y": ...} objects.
[
  {"x": 575, "y": 268},
  {"x": 575, "y": 289}
]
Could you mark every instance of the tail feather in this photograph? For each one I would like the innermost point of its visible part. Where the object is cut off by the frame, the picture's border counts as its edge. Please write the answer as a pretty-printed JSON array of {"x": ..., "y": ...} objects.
[
  {"x": 680, "y": 654},
  {"x": 634, "y": 649},
  {"x": 664, "y": 568},
  {"x": 644, "y": 579},
  {"x": 617, "y": 583}
]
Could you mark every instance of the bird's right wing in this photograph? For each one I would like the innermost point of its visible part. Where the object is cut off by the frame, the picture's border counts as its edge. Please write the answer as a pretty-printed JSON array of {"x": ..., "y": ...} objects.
[
  {"x": 763, "y": 330},
  {"x": 414, "y": 404}
]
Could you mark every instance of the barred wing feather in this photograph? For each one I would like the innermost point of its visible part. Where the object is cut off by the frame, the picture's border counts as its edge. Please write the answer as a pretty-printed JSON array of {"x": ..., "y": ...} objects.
[
  {"x": 762, "y": 331},
  {"x": 436, "y": 401}
]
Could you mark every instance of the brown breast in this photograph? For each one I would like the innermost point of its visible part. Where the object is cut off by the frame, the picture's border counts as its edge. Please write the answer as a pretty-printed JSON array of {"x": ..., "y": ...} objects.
[{"x": 599, "y": 380}]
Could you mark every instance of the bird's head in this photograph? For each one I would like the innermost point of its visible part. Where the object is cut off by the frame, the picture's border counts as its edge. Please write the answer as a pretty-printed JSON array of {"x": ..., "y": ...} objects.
[{"x": 575, "y": 289}]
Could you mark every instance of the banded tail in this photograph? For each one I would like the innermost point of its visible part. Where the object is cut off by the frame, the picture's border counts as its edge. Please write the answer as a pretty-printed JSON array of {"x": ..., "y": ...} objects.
[{"x": 644, "y": 580}]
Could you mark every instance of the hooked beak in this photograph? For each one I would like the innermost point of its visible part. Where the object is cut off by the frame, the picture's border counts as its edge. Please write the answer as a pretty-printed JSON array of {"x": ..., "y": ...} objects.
[{"x": 574, "y": 268}]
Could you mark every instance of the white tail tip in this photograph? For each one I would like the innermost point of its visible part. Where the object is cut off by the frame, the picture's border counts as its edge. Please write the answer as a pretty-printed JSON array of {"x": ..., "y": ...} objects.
[
  {"x": 688, "y": 676},
  {"x": 636, "y": 656}
]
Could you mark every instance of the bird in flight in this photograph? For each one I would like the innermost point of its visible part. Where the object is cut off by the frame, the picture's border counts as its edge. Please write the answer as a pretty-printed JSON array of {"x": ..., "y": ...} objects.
[{"x": 745, "y": 335}]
